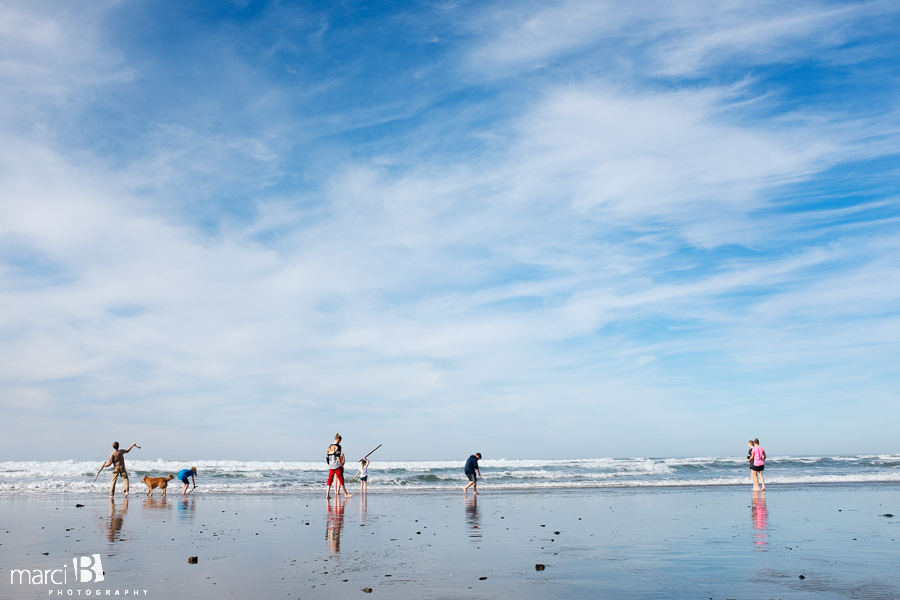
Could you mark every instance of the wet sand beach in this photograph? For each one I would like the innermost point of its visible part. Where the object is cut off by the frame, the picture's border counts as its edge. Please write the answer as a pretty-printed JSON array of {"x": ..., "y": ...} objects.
[{"x": 716, "y": 543}]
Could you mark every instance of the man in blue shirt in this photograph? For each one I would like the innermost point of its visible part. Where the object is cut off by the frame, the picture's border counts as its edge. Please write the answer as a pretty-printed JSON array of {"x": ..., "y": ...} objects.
[{"x": 473, "y": 473}]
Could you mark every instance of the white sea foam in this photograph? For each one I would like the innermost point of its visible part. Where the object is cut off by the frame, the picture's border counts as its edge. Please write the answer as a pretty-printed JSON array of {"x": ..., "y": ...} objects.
[
  {"x": 487, "y": 484},
  {"x": 267, "y": 477}
]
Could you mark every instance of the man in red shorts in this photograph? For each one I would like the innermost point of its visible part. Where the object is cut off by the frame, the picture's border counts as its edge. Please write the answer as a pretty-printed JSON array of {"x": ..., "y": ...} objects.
[{"x": 335, "y": 460}]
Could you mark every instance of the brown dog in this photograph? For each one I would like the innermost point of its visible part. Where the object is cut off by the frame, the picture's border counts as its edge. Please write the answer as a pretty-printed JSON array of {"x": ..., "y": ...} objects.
[{"x": 157, "y": 482}]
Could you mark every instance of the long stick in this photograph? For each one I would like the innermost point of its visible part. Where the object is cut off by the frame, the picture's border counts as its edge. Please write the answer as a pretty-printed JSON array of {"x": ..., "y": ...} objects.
[
  {"x": 373, "y": 451},
  {"x": 98, "y": 474}
]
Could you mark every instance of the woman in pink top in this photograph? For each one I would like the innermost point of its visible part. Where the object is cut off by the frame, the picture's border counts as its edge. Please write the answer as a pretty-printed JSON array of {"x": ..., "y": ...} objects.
[{"x": 757, "y": 464}]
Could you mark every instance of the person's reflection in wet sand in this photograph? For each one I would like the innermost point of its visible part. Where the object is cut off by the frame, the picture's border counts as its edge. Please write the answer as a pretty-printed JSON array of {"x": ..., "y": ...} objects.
[
  {"x": 760, "y": 521},
  {"x": 363, "y": 509},
  {"x": 335, "y": 524},
  {"x": 116, "y": 520},
  {"x": 473, "y": 517},
  {"x": 186, "y": 508}
]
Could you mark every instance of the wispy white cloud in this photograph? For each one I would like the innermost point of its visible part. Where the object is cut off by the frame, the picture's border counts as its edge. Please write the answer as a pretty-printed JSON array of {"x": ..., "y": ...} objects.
[
  {"x": 529, "y": 36},
  {"x": 663, "y": 38},
  {"x": 52, "y": 51}
]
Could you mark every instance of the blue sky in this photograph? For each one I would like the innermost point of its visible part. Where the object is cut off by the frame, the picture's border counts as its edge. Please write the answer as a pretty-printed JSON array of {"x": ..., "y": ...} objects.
[{"x": 572, "y": 229}]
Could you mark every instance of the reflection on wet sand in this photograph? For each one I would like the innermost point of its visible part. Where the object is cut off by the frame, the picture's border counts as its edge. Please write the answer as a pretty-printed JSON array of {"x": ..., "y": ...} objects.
[
  {"x": 113, "y": 526},
  {"x": 363, "y": 508},
  {"x": 155, "y": 503},
  {"x": 760, "y": 521},
  {"x": 335, "y": 524},
  {"x": 473, "y": 517},
  {"x": 186, "y": 508}
]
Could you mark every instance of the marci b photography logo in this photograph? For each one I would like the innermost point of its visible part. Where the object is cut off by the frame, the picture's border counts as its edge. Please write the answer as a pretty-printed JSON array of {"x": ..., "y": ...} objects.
[{"x": 86, "y": 569}]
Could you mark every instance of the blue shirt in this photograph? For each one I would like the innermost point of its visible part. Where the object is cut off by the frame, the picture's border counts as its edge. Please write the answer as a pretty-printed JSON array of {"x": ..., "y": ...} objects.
[
  {"x": 472, "y": 464},
  {"x": 184, "y": 474}
]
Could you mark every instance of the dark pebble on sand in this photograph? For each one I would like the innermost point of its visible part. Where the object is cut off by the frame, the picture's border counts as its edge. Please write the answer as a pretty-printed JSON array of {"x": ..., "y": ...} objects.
[
  {"x": 45, "y": 553},
  {"x": 539, "y": 567},
  {"x": 543, "y": 525},
  {"x": 555, "y": 533},
  {"x": 418, "y": 533},
  {"x": 888, "y": 515},
  {"x": 803, "y": 577},
  {"x": 192, "y": 560},
  {"x": 367, "y": 590},
  {"x": 482, "y": 578},
  {"x": 79, "y": 506}
]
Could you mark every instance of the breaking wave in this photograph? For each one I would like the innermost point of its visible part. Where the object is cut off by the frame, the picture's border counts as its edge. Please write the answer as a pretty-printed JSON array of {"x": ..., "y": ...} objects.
[{"x": 284, "y": 477}]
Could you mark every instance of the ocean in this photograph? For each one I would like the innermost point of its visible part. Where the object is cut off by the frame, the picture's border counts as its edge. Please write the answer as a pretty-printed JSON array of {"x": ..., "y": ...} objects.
[{"x": 263, "y": 477}]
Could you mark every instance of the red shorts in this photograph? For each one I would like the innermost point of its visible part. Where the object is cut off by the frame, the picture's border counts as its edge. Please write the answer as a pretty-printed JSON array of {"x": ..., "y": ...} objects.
[{"x": 339, "y": 473}]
